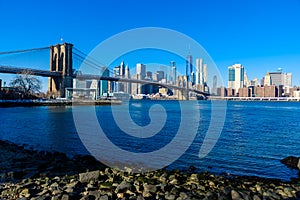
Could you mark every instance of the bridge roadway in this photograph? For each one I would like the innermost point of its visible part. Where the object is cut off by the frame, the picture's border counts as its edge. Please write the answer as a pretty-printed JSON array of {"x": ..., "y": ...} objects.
[
  {"x": 35, "y": 72},
  {"x": 46, "y": 73}
]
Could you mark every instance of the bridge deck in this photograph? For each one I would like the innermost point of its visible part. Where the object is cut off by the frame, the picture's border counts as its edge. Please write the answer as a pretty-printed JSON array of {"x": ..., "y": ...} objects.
[{"x": 46, "y": 73}]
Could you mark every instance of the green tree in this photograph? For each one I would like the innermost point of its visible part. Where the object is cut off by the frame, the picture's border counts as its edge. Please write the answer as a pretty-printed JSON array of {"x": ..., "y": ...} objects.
[{"x": 26, "y": 82}]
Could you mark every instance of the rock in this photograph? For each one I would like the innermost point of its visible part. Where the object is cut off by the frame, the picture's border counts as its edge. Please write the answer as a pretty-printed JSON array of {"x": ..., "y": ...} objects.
[
  {"x": 25, "y": 193},
  {"x": 169, "y": 196},
  {"x": 149, "y": 188},
  {"x": 174, "y": 182},
  {"x": 235, "y": 195},
  {"x": 105, "y": 197},
  {"x": 89, "y": 176},
  {"x": 123, "y": 186},
  {"x": 65, "y": 197},
  {"x": 255, "y": 197},
  {"x": 292, "y": 162},
  {"x": 183, "y": 196},
  {"x": 194, "y": 177},
  {"x": 211, "y": 195},
  {"x": 140, "y": 197}
]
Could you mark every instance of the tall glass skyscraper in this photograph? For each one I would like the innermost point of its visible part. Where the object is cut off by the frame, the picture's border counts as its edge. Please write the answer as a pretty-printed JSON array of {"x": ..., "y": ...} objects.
[
  {"x": 189, "y": 65},
  {"x": 173, "y": 73}
]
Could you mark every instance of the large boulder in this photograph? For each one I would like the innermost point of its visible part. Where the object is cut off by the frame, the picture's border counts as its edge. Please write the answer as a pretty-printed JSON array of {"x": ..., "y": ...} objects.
[{"x": 292, "y": 162}]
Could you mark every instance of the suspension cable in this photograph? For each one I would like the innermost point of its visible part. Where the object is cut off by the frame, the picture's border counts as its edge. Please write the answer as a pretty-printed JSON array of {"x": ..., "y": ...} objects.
[{"x": 22, "y": 51}]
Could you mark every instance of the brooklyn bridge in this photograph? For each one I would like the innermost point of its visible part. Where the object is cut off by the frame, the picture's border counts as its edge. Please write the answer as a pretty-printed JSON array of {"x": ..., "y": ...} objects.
[{"x": 61, "y": 72}]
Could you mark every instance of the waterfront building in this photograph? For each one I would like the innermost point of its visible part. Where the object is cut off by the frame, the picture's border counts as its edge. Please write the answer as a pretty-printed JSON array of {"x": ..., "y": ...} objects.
[
  {"x": 279, "y": 78},
  {"x": 287, "y": 80},
  {"x": 201, "y": 76},
  {"x": 160, "y": 75},
  {"x": 193, "y": 78},
  {"x": 247, "y": 82},
  {"x": 267, "y": 80},
  {"x": 230, "y": 92},
  {"x": 189, "y": 65},
  {"x": 205, "y": 76},
  {"x": 140, "y": 75},
  {"x": 254, "y": 82},
  {"x": 199, "y": 72},
  {"x": 173, "y": 74},
  {"x": 222, "y": 92},
  {"x": 127, "y": 86},
  {"x": 140, "y": 71},
  {"x": 214, "y": 87},
  {"x": 276, "y": 77},
  {"x": 103, "y": 84},
  {"x": 245, "y": 92},
  {"x": 236, "y": 77},
  {"x": 149, "y": 75}
]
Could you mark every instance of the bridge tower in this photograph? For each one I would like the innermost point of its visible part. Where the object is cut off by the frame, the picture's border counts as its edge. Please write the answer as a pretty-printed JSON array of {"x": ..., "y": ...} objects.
[
  {"x": 183, "y": 82},
  {"x": 61, "y": 61}
]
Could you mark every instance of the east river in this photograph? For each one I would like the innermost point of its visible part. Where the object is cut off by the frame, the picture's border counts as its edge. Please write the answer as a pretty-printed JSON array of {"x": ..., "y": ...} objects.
[{"x": 256, "y": 135}]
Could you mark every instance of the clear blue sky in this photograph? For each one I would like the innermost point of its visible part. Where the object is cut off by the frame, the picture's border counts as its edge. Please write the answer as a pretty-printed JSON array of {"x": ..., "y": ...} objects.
[{"x": 260, "y": 34}]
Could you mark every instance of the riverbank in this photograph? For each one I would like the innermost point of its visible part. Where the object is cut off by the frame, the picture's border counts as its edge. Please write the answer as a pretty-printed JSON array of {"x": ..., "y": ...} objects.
[
  {"x": 25, "y": 103},
  {"x": 33, "y": 175}
]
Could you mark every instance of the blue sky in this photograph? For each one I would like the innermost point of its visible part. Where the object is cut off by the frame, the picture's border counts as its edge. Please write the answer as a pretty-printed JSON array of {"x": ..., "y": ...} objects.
[{"x": 260, "y": 34}]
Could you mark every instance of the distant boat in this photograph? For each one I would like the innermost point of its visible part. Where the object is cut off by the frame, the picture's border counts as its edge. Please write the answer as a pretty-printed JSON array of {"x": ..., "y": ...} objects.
[{"x": 140, "y": 97}]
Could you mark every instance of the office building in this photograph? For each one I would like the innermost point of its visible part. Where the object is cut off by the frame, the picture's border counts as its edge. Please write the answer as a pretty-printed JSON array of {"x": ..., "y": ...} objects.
[
  {"x": 276, "y": 78},
  {"x": 236, "y": 77},
  {"x": 267, "y": 80},
  {"x": 103, "y": 84},
  {"x": 199, "y": 72},
  {"x": 140, "y": 71},
  {"x": 127, "y": 86},
  {"x": 189, "y": 65},
  {"x": 287, "y": 80},
  {"x": 173, "y": 74}
]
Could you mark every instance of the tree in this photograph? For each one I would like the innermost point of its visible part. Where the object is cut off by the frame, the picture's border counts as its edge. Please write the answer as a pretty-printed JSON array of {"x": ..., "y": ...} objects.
[{"x": 27, "y": 83}]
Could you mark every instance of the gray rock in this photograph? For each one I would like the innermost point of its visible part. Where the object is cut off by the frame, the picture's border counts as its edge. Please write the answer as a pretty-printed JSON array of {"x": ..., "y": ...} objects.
[
  {"x": 169, "y": 196},
  {"x": 150, "y": 188},
  {"x": 65, "y": 197},
  {"x": 105, "y": 197},
  {"x": 96, "y": 194},
  {"x": 235, "y": 195},
  {"x": 211, "y": 195},
  {"x": 123, "y": 186},
  {"x": 140, "y": 197},
  {"x": 255, "y": 197},
  {"x": 89, "y": 176}
]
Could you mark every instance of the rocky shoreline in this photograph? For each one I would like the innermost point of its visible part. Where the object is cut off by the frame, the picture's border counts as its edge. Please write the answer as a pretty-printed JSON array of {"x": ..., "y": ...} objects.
[{"x": 29, "y": 174}]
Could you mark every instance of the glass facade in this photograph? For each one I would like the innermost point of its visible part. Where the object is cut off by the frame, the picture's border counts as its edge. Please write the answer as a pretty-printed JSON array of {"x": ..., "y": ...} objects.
[{"x": 231, "y": 74}]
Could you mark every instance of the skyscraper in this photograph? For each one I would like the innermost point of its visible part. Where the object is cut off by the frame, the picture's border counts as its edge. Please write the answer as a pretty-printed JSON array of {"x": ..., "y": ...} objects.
[
  {"x": 103, "y": 85},
  {"x": 199, "y": 71},
  {"x": 236, "y": 77},
  {"x": 122, "y": 69},
  {"x": 140, "y": 71},
  {"x": 205, "y": 74},
  {"x": 189, "y": 65},
  {"x": 173, "y": 73},
  {"x": 268, "y": 80},
  {"x": 127, "y": 86},
  {"x": 287, "y": 80}
]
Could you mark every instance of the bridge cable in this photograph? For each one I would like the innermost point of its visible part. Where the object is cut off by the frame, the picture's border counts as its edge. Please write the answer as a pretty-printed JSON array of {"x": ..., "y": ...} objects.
[{"x": 22, "y": 51}]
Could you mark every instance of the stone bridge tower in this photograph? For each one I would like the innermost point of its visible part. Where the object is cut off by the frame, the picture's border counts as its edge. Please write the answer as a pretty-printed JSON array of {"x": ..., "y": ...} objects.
[
  {"x": 183, "y": 82},
  {"x": 61, "y": 61}
]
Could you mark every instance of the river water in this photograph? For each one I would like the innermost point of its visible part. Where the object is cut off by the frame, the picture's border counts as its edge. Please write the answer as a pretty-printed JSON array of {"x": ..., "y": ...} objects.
[{"x": 255, "y": 137}]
